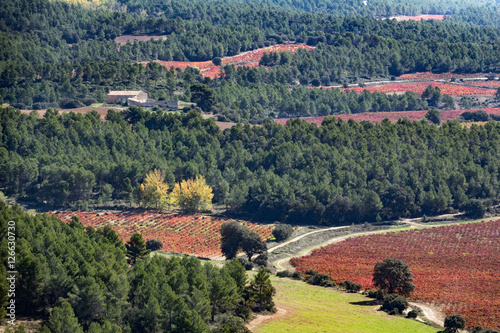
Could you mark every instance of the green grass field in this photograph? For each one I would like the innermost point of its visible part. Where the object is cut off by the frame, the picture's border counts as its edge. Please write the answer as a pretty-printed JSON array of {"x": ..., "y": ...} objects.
[{"x": 317, "y": 309}]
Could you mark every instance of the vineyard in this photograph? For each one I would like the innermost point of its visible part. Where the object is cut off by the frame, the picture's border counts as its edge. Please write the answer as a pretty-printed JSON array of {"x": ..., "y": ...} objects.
[
  {"x": 456, "y": 267},
  {"x": 377, "y": 117},
  {"x": 417, "y": 18},
  {"x": 438, "y": 76},
  {"x": 489, "y": 83},
  {"x": 249, "y": 59},
  {"x": 187, "y": 234},
  {"x": 419, "y": 87}
]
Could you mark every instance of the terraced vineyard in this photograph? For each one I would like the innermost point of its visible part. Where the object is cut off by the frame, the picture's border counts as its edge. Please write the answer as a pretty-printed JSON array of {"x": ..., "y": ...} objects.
[{"x": 188, "y": 234}]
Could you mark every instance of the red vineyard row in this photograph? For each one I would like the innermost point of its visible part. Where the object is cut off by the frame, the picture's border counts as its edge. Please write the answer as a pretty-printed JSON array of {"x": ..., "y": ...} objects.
[
  {"x": 393, "y": 116},
  {"x": 187, "y": 234},
  {"x": 457, "y": 267},
  {"x": 419, "y": 87},
  {"x": 417, "y": 18},
  {"x": 248, "y": 59}
]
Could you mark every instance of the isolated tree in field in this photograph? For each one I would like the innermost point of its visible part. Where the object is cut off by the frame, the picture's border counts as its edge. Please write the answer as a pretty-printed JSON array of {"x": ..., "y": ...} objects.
[
  {"x": 154, "y": 190},
  {"x": 252, "y": 244},
  {"x": 393, "y": 276},
  {"x": 434, "y": 116},
  {"x": 454, "y": 323},
  {"x": 231, "y": 235},
  {"x": 217, "y": 61},
  {"x": 192, "y": 194},
  {"x": 136, "y": 248},
  {"x": 282, "y": 231},
  {"x": 263, "y": 292}
]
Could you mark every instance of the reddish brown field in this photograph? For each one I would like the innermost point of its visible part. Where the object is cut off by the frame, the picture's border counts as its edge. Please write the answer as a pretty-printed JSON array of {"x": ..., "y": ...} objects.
[
  {"x": 419, "y": 87},
  {"x": 125, "y": 38},
  {"x": 101, "y": 110},
  {"x": 457, "y": 267},
  {"x": 188, "y": 234},
  {"x": 249, "y": 59},
  {"x": 438, "y": 76},
  {"x": 393, "y": 116},
  {"x": 417, "y": 18}
]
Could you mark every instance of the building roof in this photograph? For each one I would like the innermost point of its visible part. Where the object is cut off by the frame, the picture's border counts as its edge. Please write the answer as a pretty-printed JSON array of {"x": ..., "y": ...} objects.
[{"x": 125, "y": 93}]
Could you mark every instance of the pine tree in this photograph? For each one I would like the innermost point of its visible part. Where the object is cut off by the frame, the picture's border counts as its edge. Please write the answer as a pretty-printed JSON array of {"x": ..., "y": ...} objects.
[
  {"x": 63, "y": 320},
  {"x": 136, "y": 248},
  {"x": 263, "y": 291}
]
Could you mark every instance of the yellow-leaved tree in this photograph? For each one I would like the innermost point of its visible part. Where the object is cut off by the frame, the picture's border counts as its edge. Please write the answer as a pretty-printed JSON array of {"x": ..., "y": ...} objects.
[
  {"x": 192, "y": 194},
  {"x": 154, "y": 190}
]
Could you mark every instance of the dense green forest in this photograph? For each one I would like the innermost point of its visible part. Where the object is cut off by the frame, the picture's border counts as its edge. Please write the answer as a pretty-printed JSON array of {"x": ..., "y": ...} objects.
[
  {"x": 55, "y": 54},
  {"x": 339, "y": 173},
  {"x": 81, "y": 277}
]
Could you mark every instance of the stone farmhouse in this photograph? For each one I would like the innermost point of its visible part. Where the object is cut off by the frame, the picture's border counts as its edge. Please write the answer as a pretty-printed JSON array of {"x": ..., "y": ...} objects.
[{"x": 138, "y": 98}]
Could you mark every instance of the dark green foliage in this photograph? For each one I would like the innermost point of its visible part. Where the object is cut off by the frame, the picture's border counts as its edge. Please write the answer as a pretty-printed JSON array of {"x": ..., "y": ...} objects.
[
  {"x": 62, "y": 320},
  {"x": 4, "y": 298},
  {"x": 337, "y": 174},
  {"x": 252, "y": 244},
  {"x": 136, "y": 248},
  {"x": 479, "y": 115},
  {"x": 262, "y": 259},
  {"x": 217, "y": 61},
  {"x": 235, "y": 236},
  {"x": 377, "y": 294},
  {"x": 153, "y": 244},
  {"x": 230, "y": 324},
  {"x": 318, "y": 279},
  {"x": 393, "y": 276},
  {"x": 394, "y": 304},
  {"x": 282, "y": 232},
  {"x": 262, "y": 292},
  {"x": 231, "y": 234},
  {"x": 203, "y": 96},
  {"x": 412, "y": 314},
  {"x": 293, "y": 275},
  {"x": 453, "y": 323},
  {"x": 434, "y": 116},
  {"x": 475, "y": 209},
  {"x": 350, "y": 286},
  {"x": 83, "y": 277}
]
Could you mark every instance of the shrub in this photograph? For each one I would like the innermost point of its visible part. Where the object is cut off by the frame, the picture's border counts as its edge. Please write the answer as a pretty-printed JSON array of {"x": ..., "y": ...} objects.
[
  {"x": 247, "y": 264},
  {"x": 297, "y": 275},
  {"x": 261, "y": 259},
  {"x": 217, "y": 61},
  {"x": 69, "y": 103},
  {"x": 285, "y": 273},
  {"x": 412, "y": 314},
  {"x": 153, "y": 244},
  {"x": 282, "y": 232},
  {"x": 394, "y": 302},
  {"x": 453, "y": 323},
  {"x": 319, "y": 279},
  {"x": 350, "y": 286}
]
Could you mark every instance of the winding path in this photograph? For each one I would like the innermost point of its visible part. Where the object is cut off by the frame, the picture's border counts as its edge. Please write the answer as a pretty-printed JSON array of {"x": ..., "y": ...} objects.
[{"x": 432, "y": 313}]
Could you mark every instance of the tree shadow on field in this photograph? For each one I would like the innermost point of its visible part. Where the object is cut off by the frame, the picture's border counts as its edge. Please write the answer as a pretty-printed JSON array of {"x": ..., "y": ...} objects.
[{"x": 366, "y": 303}]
